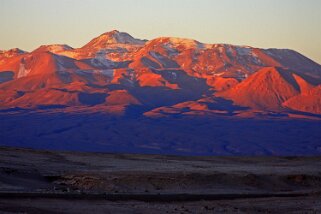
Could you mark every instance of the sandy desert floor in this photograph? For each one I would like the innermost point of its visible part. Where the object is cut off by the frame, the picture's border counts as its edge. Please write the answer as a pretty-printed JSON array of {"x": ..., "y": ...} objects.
[{"x": 34, "y": 181}]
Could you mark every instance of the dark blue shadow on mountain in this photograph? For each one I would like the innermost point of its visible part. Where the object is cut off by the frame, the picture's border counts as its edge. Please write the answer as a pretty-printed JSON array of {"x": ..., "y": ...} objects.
[
  {"x": 6, "y": 76},
  {"x": 64, "y": 90},
  {"x": 65, "y": 61},
  {"x": 88, "y": 75},
  {"x": 222, "y": 104},
  {"x": 196, "y": 86},
  {"x": 286, "y": 74},
  {"x": 92, "y": 99},
  {"x": 296, "y": 61},
  {"x": 190, "y": 88},
  {"x": 64, "y": 77},
  {"x": 161, "y": 96},
  {"x": 113, "y": 87},
  {"x": 165, "y": 61},
  {"x": 150, "y": 63}
]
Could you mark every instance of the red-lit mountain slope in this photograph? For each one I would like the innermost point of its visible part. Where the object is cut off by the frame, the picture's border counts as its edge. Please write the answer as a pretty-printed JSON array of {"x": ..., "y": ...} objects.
[{"x": 166, "y": 74}]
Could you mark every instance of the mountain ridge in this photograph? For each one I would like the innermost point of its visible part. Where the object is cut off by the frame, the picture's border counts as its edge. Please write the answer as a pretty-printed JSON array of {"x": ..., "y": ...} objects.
[{"x": 116, "y": 69}]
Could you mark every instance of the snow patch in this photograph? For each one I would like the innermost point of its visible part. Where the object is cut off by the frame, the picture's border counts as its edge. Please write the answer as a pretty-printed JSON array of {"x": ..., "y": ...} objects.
[
  {"x": 114, "y": 37},
  {"x": 11, "y": 52},
  {"x": 23, "y": 71}
]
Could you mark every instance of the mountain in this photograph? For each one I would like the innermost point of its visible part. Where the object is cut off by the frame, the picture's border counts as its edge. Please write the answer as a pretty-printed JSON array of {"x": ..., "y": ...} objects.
[
  {"x": 120, "y": 74},
  {"x": 309, "y": 101},
  {"x": 55, "y": 48},
  {"x": 114, "y": 37},
  {"x": 267, "y": 89},
  {"x": 11, "y": 53}
]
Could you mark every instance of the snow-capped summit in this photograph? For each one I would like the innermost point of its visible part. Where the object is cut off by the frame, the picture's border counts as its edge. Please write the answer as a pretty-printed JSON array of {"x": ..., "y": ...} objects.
[
  {"x": 113, "y": 38},
  {"x": 175, "y": 42},
  {"x": 12, "y": 52},
  {"x": 54, "y": 48}
]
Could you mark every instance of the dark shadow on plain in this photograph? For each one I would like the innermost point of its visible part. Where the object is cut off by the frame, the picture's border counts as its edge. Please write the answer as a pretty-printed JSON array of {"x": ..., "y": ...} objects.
[
  {"x": 47, "y": 107},
  {"x": 14, "y": 109}
]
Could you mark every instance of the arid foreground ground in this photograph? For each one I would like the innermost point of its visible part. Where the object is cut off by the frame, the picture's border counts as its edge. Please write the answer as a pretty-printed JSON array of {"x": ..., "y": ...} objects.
[{"x": 62, "y": 182}]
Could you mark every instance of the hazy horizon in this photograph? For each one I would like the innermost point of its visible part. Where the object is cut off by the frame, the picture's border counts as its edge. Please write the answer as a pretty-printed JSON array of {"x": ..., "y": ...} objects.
[{"x": 291, "y": 24}]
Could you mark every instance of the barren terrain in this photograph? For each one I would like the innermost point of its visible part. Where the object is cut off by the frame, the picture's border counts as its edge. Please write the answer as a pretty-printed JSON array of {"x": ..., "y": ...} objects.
[{"x": 34, "y": 181}]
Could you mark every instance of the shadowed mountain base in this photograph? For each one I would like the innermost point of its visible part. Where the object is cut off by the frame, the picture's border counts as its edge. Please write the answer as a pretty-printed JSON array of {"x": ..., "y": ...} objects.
[{"x": 271, "y": 134}]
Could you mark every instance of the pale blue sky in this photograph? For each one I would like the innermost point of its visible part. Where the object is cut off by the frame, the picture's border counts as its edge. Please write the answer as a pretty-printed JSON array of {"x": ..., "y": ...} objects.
[{"x": 294, "y": 24}]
